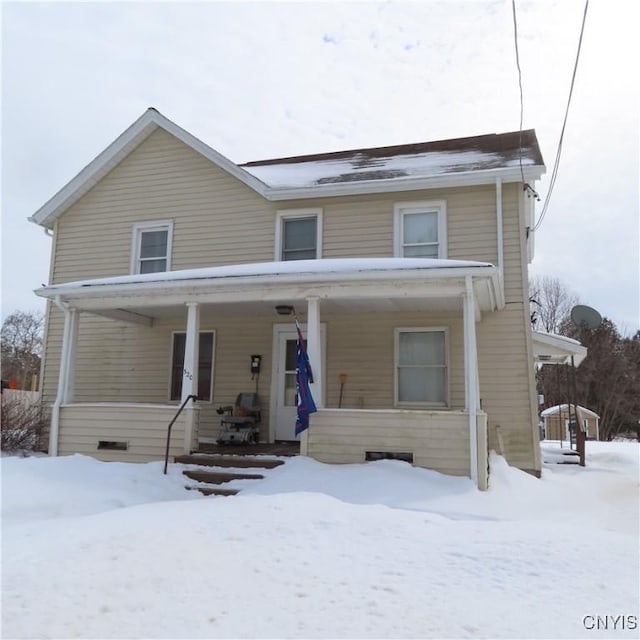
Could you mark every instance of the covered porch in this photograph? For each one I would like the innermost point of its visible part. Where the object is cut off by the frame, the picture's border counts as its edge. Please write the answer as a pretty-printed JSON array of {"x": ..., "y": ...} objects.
[{"x": 348, "y": 308}]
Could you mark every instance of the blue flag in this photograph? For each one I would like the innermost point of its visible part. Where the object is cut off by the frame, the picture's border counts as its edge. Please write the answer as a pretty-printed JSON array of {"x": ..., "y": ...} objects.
[{"x": 304, "y": 376}]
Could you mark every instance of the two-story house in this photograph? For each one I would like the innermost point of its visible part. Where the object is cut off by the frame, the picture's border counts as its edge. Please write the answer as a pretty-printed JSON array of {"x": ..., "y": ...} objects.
[{"x": 406, "y": 265}]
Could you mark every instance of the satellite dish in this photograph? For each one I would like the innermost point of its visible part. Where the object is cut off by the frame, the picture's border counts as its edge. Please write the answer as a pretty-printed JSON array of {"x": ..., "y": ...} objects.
[{"x": 585, "y": 317}]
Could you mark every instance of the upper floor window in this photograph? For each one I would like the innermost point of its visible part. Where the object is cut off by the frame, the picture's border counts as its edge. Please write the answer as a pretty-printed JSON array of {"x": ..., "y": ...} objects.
[
  {"x": 421, "y": 371},
  {"x": 420, "y": 229},
  {"x": 299, "y": 234},
  {"x": 151, "y": 247}
]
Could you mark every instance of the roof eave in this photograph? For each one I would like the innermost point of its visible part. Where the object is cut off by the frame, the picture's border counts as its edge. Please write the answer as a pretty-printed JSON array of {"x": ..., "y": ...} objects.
[
  {"x": 194, "y": 285},
  {"x": 463, "y": 178}
]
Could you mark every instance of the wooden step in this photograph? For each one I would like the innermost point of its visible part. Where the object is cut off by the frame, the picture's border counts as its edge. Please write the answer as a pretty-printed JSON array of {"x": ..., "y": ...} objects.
[
  {"x": 212, "y": 491},
  {"x": 219, "y": 477},
  {"x": 239, "y": 462},
  {"x": 264, "y": 448}
]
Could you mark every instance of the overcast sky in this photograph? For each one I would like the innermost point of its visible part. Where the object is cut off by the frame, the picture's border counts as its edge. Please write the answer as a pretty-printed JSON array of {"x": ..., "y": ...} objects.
[{"x": 269, "y": 79}]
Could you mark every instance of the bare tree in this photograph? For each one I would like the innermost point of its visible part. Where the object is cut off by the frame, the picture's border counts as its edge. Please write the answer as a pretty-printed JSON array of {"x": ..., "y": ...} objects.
[
  {"x": 551, "y": 303},
  {"x": 21, "y": 346},
  {"x": 23, "y": 425}
]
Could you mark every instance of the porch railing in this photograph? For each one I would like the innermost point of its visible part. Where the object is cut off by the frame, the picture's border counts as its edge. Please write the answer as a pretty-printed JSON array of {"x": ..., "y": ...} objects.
[{"x": 178, "y": 412}]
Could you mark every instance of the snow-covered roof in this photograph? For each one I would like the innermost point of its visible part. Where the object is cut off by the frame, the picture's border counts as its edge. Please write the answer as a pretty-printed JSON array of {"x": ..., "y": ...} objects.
[
  {"x": 419, "y": 160},
  {"x": 299, "y": 269},
  {"x": 460, "y": 161},
  {"x": 551, "y": 411}
]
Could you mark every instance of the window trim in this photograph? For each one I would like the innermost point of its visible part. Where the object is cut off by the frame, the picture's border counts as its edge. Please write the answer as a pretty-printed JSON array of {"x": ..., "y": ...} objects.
[
  {"x": 396, "y": 358},
  {"x": 136, "y": 236},
  {"x": 292, "y": 214},
  {"x": 419, "y": 206},
  {"x": 213, "y": 363}
]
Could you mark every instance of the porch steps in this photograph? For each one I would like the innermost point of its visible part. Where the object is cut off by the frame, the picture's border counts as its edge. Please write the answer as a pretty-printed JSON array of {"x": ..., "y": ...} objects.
[
  {"x": 219, "y": 477},
  {"x": 214, "y": 492},
  {"x": 238, "y": 462},
  {"x": 215, "y": 478},
  {"x": 571, "y": 457}
]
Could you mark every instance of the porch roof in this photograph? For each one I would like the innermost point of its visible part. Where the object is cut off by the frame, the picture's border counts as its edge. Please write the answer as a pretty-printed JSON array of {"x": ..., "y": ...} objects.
[
  {"x": 550, "y": 348},
  {"x": 283, "y": 282}
]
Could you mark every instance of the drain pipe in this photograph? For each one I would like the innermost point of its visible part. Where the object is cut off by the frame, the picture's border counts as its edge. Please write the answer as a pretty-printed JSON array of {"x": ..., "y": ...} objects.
[
  {"x": 62, "y": 376},
  {"x": 500, "y": 228}
]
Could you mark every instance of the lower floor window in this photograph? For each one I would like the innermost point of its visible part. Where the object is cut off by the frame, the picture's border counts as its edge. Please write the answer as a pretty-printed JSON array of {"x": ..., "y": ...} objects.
[
  {"x": 421, "y": 366},
  {"x": 205, "y": 365}
]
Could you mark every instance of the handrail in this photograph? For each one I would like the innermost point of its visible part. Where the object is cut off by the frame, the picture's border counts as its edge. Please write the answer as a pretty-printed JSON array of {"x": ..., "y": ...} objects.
[{"x": 182, "y": 406}]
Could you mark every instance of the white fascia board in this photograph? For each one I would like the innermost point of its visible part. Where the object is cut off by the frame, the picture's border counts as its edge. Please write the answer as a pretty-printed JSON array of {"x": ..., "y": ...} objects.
[
  {"x": 262, "y": 293},
  {"x": 124, "y": 144},
  {"x": 393, "y": 185},
  {"x": 376, "y": 284}
]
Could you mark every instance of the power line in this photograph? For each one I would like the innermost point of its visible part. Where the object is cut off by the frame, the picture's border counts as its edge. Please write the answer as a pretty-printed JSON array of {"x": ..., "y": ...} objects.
[
  {"x": 527, "y": 187},
  {"x": 515, "y": 37},
  {"x": 554, "y": 173}
]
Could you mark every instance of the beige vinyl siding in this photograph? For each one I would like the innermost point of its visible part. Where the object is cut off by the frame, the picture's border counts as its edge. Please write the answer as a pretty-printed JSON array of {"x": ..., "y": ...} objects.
[
  {"x": 143, "y": 428},
  {"x": 52, "y": 352},
  {"x": 362, "y": 226},
  {"x": 514, "y": 232},
  {"x": 438, "y": 440},
  {"x": 217, "y": 219},
  {"x": 504, "y": 383},
  {"x": 362, "y": 346}
]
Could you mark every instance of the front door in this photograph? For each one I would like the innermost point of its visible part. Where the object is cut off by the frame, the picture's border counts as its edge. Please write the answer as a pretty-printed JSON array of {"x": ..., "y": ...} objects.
[
  {"x": 284, "y": 382},
  {"x": 286, "y": 397}
]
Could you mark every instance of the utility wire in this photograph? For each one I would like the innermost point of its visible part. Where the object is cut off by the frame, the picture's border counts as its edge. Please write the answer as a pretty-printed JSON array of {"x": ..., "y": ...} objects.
[
  {"x": 527, "y": 187},
  {"x": 554, "y": 173},
  {"x": 515, "y": 35}
]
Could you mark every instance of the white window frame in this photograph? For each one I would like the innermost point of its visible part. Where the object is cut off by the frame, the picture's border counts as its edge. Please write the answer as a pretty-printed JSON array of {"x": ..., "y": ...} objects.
[
  {"x": 213, "y": 363},
  {"x": 400, "y": 209},
  {"x": 396, "y": 357},
  {"x": 293, "y": 214},
  {"x": 138, "y": 229}
]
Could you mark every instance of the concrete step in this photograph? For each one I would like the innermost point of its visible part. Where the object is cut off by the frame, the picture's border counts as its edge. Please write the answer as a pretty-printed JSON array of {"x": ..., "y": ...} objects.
[{"x": 239, "y": 462}]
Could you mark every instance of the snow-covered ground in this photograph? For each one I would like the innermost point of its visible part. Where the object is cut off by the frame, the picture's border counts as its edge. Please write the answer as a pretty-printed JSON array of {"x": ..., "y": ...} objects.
[{"x": 384, "y": 550}]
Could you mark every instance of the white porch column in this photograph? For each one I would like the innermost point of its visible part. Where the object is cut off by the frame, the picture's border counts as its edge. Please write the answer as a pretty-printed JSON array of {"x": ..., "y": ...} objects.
[
  {"x": 65, "y": 374},
  {"x": 190, "y": 370},
  {"x": 314, "y": 350},
  {"x": 70, "y": 363},
  {"x": 471, "y": 374},
  {"x": 190, "y": 367}
]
